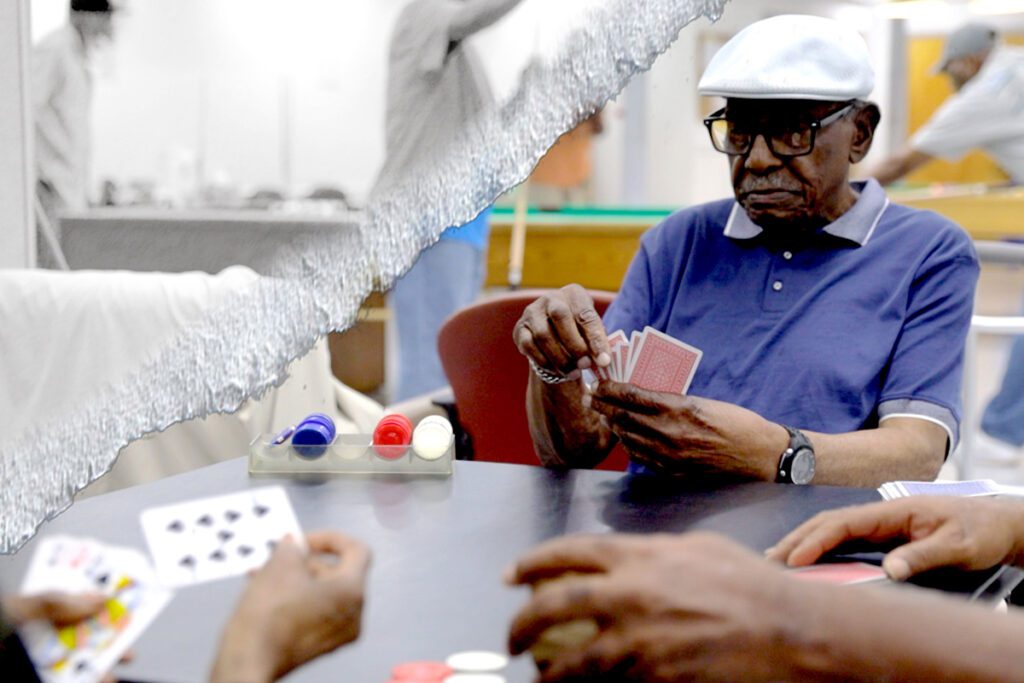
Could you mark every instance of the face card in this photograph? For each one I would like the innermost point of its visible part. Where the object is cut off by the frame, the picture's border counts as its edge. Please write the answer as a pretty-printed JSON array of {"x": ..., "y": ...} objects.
[
  {"x": 663, "y": 363},
  {"x": 214, "y": 538},
  {"x": 84, "y": 652},
  {"x": 845, "y": 573},
  {"x": 71, "y": 564}
]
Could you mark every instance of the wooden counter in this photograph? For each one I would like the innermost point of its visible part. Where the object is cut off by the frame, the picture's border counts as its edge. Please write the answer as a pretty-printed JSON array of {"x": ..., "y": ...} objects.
[
  {"x": 595, "y": 247},
  {"x": 985, "y": 214}
]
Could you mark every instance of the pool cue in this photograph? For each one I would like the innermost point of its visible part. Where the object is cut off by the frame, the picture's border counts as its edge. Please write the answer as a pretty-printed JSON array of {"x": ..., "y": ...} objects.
[{"x": 517, "y": 247}]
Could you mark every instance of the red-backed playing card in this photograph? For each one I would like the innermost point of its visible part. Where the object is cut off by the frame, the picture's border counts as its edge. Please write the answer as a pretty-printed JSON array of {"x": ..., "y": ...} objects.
[
  {"x": 634, "y": 339},
  {"x": 621, "y": 360},
  {"x": 617, "y": 341},
  {"x": 842, "y": 572},
  {"x": 662, "y": 363}
]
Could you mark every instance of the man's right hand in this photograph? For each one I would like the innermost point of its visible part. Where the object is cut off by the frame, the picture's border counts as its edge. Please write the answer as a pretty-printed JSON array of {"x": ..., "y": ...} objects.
[
  {"x": 969, "y": 533},
  {"x": 561, "y": 332}
]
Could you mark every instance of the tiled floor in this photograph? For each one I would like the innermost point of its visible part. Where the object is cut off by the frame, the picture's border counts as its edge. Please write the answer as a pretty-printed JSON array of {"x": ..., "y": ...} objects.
[{"x": 999, "y": 293}]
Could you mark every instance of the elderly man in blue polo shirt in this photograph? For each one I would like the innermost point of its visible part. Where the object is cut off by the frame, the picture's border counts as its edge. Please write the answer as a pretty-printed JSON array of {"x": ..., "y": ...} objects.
[{"x": 832, "y": 321}]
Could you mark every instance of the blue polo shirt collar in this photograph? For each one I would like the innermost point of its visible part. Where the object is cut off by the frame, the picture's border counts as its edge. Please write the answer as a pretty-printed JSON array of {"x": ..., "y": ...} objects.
[{"x": 856, "y": 225}]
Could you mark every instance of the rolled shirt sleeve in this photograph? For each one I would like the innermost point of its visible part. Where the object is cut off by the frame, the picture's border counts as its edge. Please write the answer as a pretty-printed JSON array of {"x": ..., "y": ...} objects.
[{"x": 925, "y": 374}]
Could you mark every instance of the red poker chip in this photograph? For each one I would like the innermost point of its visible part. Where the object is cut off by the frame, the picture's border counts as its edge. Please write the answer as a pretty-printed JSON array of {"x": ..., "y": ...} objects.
[
  {"x": 421, "y": 672},
  {"x": 392, "y": 430}
]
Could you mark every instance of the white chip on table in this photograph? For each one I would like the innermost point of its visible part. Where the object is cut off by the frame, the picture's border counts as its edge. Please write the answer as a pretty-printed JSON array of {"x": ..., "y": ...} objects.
[
  {"x": 477, "y": 662},
  {"x": 432, "y": 438},
  {"x": 475, "y": 678}
]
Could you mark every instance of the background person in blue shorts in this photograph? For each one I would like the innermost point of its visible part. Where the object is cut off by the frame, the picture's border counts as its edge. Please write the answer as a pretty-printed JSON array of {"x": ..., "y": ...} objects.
[
  {"x": 832, "y": 321},
  {"x": 436, "y": 87}
]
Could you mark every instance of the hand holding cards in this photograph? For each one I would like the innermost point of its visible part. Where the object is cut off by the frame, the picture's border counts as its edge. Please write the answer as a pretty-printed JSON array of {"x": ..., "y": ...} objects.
[
  {"x": 215, "y": 538},
  {"x": 83, "y": 652},
  {"x": 653, "y": 360},
  {"x": 190, "y": 542}
]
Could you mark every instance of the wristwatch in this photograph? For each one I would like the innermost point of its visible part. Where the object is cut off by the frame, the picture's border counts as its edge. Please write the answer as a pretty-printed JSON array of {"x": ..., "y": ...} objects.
[{"x": 796, "y": 465}]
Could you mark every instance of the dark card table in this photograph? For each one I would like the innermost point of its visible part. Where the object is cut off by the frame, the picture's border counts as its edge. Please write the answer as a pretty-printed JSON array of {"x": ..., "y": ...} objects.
[{"x": 439, "y": 545}]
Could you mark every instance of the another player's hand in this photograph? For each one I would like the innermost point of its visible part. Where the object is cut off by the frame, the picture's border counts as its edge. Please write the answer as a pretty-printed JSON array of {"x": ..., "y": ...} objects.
[
  {"x": 563, "y": 333},
  {"x": 59, "y": 609},
  {"x": 969, "y": 533},
  {"x": 676, "y": 434},
  {"x": 295, "y": 609},
  {"x": 668, "y": 608}
]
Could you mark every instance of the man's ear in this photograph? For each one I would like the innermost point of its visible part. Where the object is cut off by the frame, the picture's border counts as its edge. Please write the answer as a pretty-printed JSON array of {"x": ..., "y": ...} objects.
[{"x": 865, "y": 122}]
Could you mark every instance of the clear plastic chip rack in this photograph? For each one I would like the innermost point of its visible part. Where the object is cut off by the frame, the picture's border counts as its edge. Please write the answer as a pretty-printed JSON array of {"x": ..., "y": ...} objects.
[{"x": 347, "y": 454}]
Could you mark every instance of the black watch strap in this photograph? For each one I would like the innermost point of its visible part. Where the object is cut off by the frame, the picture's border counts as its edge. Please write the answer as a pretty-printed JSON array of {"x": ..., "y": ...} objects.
[{"x": 797, "y": 442}]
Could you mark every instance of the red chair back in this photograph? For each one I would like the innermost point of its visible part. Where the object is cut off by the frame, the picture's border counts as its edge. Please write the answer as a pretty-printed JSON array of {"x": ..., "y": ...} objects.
[{"x": 488, "y": 377}]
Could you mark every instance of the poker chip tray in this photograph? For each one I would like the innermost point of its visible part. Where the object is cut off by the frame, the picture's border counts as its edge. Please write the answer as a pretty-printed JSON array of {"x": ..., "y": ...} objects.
[{"x": 347, "y": 454}]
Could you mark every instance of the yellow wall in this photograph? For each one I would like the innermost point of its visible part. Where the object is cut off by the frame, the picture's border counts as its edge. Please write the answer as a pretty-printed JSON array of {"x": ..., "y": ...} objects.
[{"x": 927, "y": 92}]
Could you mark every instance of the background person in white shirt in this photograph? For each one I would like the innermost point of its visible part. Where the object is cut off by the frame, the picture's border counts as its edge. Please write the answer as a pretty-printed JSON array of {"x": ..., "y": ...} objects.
[
  {"x": 986, "y": 113},
  {"x": 61, "y": 103}
]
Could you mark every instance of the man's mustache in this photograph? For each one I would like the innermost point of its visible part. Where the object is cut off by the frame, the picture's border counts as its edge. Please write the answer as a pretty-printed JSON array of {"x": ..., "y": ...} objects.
[{"x": 767, "y": 184}]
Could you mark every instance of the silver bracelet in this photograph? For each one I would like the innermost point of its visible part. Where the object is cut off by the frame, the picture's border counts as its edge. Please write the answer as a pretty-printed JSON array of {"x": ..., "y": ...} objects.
[{"x": 547, "y": 376}]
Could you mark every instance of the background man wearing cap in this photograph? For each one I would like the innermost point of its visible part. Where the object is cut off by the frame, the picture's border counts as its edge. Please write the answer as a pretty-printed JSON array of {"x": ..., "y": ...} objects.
[
  {"x": 987, "y": 113},
  {"x": 817, "y": 303},
  {"x": 61, "y": 102}
]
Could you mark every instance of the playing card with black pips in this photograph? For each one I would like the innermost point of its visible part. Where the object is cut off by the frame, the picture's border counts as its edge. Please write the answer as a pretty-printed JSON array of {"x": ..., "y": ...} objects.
[{"x": 214, "y": 538}]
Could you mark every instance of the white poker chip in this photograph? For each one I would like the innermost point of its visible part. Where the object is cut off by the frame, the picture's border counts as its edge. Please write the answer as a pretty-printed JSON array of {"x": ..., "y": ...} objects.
[
  {"x": 477, "y": 662},
  {"x": 475, "y": 678},
  {"x": 431, "y": 440},
  {"x": 437, "y": 420}
]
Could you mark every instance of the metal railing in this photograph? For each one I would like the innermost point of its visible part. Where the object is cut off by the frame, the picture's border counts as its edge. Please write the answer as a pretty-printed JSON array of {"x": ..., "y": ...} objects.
[{"x": 990, "y": 253}]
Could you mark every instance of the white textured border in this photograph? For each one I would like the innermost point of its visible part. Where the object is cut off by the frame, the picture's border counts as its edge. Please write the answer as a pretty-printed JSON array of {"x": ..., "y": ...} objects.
[{"x": 240, "y": 349}]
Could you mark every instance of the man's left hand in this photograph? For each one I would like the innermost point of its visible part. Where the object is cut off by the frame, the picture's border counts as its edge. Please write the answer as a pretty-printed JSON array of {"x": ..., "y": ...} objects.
[{"x": 676, "y": 434}]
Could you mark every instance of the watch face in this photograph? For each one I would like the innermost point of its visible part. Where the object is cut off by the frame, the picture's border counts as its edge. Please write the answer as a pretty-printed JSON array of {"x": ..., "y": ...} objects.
[{"x": 802, "y": 466}]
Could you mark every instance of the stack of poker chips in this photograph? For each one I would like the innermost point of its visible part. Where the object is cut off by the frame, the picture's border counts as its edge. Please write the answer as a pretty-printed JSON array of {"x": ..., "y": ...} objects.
[
  {"x": 313, "y": 435},
  {"x": 430, "y": 440},
  {"x": 392, "y": 437}
]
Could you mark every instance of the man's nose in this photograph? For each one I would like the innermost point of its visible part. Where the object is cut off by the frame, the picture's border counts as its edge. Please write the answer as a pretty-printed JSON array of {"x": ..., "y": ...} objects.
[{"x": 760, "y": 157}]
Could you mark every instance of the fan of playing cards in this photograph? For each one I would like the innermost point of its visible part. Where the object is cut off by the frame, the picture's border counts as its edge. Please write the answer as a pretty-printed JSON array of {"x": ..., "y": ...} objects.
[
  {"x": 652, "y": 360},
  {"x": 190, "y": 543}
]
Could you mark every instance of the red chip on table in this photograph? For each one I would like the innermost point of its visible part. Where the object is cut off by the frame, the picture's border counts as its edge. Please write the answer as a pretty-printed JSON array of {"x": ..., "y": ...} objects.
[
  {"x": 842, "y": 573},
  {"x": 421, "y": 672},
  {"x": 392, "y": 430}
]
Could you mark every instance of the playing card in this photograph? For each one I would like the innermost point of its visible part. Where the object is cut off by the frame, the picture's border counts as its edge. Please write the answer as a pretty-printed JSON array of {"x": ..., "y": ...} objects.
[
  {"x": 84, "y": 652},
  {"x": 62, "y": 561},
  {"x": 845, "y": 573},
  {"x": 662, "y": 363},
  {"x": 616, "y": 341},
  {"x": 634, "y": 342},
  {"x": 214, "y": 538},
  {"x": 977, "y": 487}
]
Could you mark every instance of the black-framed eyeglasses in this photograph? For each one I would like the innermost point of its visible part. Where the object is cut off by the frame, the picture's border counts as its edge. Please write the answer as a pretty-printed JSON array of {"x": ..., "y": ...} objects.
[{"x": 788, "y": 139}]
